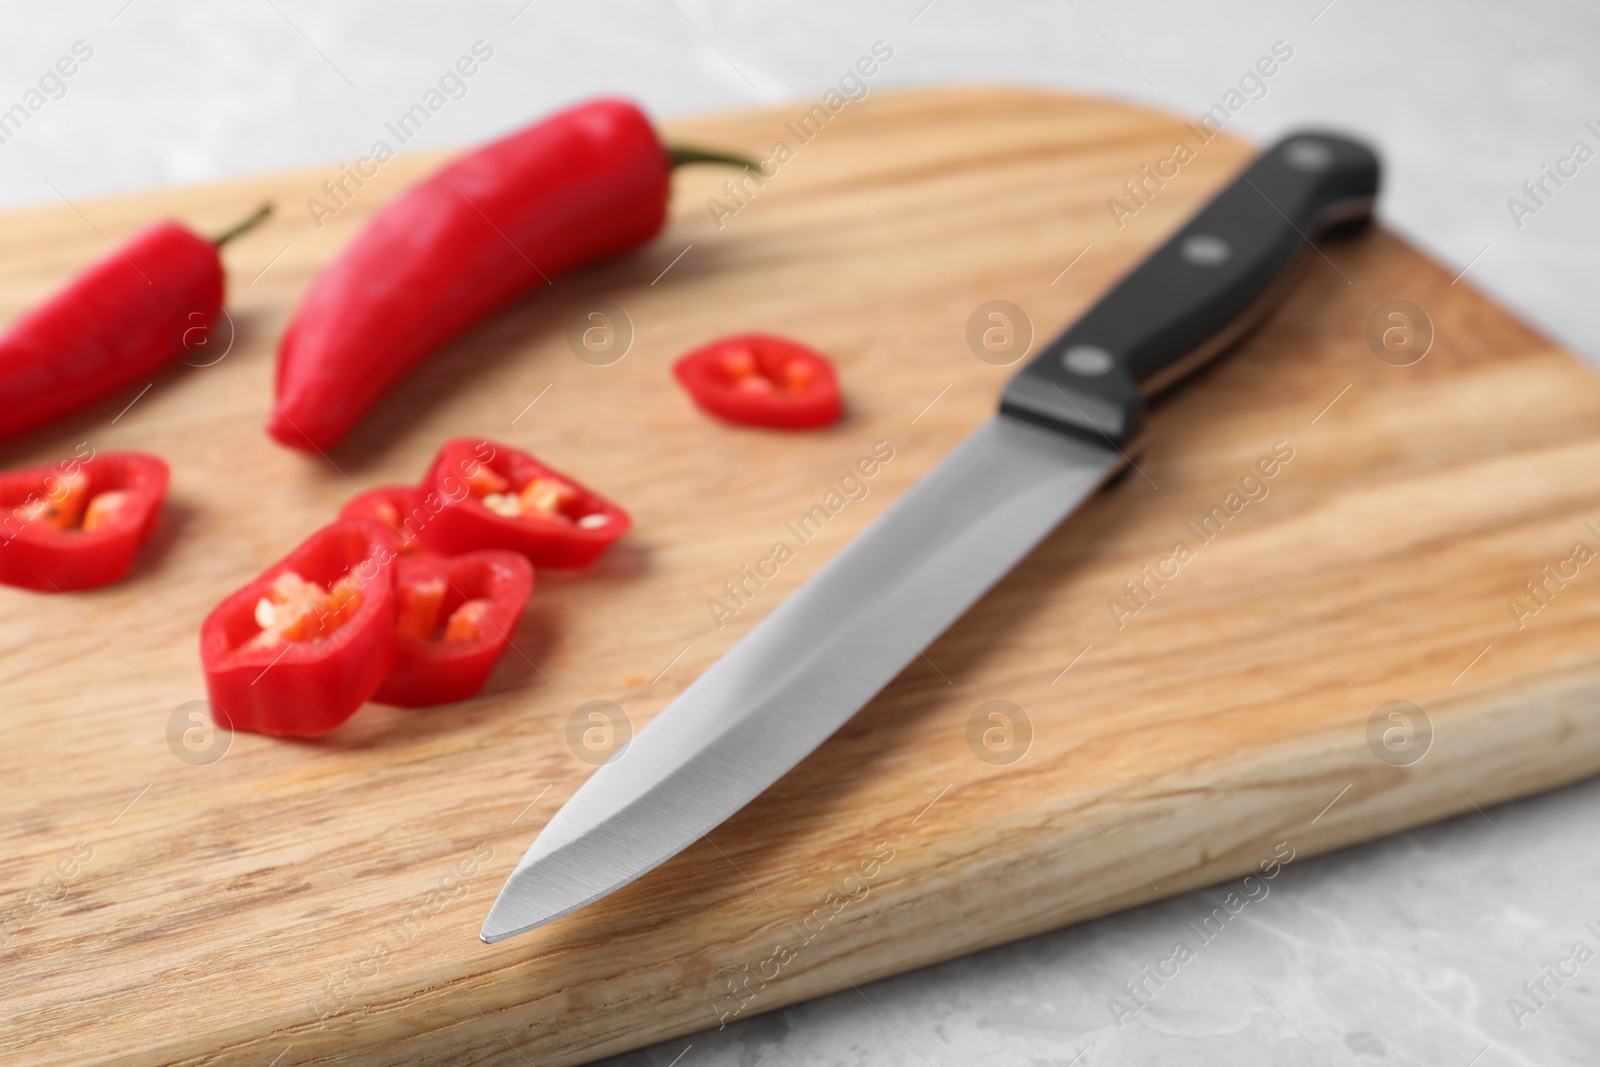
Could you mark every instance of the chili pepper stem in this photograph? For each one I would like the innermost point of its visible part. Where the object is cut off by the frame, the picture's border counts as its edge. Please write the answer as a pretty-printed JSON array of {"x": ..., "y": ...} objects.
[
  {"x": 244, "y": 225},
  {"x": 681, "y": 155}
]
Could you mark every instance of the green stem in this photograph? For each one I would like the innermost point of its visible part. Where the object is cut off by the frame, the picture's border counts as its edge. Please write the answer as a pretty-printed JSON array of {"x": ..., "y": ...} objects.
[
  {"x": 244, "y": 225},
  {"x": 681, "y": 155}
]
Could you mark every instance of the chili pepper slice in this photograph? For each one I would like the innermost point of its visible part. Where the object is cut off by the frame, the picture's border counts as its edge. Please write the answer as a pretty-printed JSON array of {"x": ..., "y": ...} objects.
[
  {"x": 299, "y": 649},
  {"x": 129, "y": 314},
  {"x": 585, "y": 184},
  {"x": 456, "y": 615},
  {"x": 78, "y": 524},
  {"x": 495, "y": 496},
  {"x": 397, "y": 507},
  {"x": 761, "y": 380}
]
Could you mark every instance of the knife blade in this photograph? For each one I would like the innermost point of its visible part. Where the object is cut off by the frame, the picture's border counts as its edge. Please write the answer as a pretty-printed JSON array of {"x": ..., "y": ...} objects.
[{"x": 1067, "y": 423}]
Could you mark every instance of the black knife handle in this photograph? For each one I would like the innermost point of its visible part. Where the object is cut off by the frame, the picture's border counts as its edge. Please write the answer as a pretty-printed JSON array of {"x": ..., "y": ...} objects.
[{"x": 1197, "y": 294}]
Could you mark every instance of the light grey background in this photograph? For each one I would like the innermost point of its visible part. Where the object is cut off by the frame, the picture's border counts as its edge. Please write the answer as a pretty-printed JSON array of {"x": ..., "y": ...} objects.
[{"x": 1400, "y": 952}]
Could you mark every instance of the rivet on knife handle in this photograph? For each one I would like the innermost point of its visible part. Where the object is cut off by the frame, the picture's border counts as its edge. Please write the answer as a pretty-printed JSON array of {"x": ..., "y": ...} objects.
[{"x": 1199, "y": 292}]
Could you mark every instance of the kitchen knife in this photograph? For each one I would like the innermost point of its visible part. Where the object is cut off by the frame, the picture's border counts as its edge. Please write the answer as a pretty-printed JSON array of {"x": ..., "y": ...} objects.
[{"x": 1067, "y": 423}]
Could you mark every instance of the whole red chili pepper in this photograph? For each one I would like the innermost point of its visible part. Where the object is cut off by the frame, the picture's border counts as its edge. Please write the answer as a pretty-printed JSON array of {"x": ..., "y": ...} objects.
[
  {"x": 494, "y": 496},
  {"x": 78, "y": 524},
  {"x": 761, "y": 380},
  {"x": 131, "y": 313},
  {"x": 454, "y": 617},
  {"x": 299, "y": 649},
  {"x": 585, "y": 184}
]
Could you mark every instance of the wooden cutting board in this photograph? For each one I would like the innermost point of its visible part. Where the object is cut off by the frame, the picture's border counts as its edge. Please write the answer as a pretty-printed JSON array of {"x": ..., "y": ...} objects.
[{"x": 304, "y": 901}]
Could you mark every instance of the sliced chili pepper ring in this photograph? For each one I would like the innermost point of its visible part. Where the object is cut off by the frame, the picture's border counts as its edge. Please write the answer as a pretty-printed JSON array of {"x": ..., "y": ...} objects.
[
  {"x": 761, "y": 380},
  {"x": 457, "y": 615},
  {"x": 495, "y": 496},
  {"x": 78, "y": 524},
  {"x": 321, "y": 661}
]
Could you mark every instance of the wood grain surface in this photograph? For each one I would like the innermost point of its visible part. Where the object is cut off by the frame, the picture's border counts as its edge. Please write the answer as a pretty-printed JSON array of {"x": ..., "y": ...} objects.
[{"x": 315, "y": 901}]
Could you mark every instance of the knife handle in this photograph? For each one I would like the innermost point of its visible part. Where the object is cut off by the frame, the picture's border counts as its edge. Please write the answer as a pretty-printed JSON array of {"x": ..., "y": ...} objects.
[{"x": 1199, "y": 293}]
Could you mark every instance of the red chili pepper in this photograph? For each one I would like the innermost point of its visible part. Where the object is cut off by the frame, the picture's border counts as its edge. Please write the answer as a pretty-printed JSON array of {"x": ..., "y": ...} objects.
[
  {"x": 762, "y": 380},
  {"x": 131, "y": 313},
  {"x": 299, "y": 649},
  {"x": 397, "y": 507},
  {"x": 79, "y": 523},
  {"x": 586, "y": 184},
  {"x": 494, "y": 496},
  {"x": 455, "y": 618}
]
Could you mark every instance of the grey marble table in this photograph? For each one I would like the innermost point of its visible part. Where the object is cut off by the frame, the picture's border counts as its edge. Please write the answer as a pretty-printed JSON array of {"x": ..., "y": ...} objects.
[{"x": 1414, "y": 950}]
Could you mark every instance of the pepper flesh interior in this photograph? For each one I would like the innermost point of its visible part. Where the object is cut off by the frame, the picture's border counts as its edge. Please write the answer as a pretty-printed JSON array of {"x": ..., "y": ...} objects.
[
  {"x": 67, "y": 506},
  {"x": 541, "y": 497},
  {"x": 467, "y": 622},
  {"x": 422, "y": 601},
  {"x": 419, "y": 608},
  {"x": 297, "y": 610},
  {"x": 745, "y": 373},
  {"x": 102, "y": 508},
  {"x": 484, "y": 480},
  {"x": 405, "y": 540}
]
